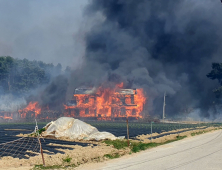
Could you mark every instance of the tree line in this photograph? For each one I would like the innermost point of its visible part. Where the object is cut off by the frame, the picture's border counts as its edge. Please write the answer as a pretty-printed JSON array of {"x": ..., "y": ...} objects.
[{"x": 20, "y": 76}]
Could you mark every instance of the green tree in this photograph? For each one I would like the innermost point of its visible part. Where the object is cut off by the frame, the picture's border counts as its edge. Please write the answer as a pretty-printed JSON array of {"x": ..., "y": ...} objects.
[{"x": 19, "y": 76}]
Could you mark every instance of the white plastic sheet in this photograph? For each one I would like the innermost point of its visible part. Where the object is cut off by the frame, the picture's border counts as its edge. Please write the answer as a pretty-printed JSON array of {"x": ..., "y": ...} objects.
[{"x": 75, "y": 129}]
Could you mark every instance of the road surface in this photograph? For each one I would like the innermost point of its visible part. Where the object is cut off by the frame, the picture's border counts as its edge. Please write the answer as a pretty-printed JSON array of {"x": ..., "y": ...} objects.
[{"x": 202, "y": 152}]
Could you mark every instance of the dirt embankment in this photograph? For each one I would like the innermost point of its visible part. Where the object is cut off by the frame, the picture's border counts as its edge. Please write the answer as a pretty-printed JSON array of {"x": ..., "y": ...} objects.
[
  {"x": 80, "y": 155},
  {"x": 144, "y": 138}
]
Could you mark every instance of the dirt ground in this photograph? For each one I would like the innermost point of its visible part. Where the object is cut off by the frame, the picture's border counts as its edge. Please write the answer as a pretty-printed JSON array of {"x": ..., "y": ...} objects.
[
  {"x": 143, "y": 138},
  {"x": 82, "y": 155},
  {"x": 79, "y": 155}
]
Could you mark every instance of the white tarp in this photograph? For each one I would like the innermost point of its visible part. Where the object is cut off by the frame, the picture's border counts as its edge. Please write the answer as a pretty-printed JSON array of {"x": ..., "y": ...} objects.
[{"x": 75, "y": 129}]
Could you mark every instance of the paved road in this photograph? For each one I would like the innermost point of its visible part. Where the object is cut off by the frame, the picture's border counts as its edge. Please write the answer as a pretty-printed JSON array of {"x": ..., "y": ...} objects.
[{"x": 202, "y": 152}]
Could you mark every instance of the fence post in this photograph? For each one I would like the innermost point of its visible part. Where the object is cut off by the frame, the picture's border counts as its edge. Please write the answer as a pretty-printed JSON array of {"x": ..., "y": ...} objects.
[
  {"x": 37, "y": 134},
  {"x": 41, "y": 151},
  {"x": 151, "y": 130},
  {"x": 127, "y": 125}
]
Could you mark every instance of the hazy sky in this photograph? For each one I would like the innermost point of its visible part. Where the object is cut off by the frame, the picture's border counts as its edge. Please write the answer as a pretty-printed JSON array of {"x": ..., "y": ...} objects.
[{"x": 47, "y": 30}]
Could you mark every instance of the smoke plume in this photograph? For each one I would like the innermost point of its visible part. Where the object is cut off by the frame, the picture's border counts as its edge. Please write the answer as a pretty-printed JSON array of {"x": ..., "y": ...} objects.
[
  {"x": 54, "y": 94},
  {"x": 10, "y": 103},
  {"x": 162, "y": 46}
]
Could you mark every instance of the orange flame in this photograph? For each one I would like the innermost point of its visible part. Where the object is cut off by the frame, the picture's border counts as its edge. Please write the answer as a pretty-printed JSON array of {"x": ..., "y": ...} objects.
[
  {"x": 7, "y": 117},
  {"x": 33, "y": 107},
  {"x": 102, "y": 104},
  {"x": 108, "y": 103}
]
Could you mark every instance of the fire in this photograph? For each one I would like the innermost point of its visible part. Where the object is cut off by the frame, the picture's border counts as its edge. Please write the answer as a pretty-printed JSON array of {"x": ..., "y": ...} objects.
[
  {"x": 6, "y": 117},
  {"x": 31, "y": 111},
  {"x": 33, "y": 108},
  {"x": 120, "y": 85},
  {"x": 107, "y": 103},
  {"x": 101, "y": 104}
]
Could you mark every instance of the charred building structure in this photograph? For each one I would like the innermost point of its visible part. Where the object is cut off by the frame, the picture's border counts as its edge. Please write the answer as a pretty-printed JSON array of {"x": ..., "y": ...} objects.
[{"x": 106, "y": 104}]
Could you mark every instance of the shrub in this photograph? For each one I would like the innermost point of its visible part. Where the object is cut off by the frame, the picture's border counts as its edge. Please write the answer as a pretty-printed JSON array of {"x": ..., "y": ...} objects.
[
  {"x": 41, "y": 130},
  {"x": 136, "y": 147},
  {"x": 67, "y": 159},
  {"x": 118, "y": 144},
  {"x": 112, "y": 156}
]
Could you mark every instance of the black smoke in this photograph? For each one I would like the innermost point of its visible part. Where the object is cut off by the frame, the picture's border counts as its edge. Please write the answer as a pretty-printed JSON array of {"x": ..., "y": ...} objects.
[
  {"x": 54, "y": 95},
  {"x": 159, "y": 45}
]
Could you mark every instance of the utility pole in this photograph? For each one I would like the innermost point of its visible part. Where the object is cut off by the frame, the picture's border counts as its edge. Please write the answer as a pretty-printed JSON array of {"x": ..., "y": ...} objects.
[
  {"x": 127, "y": 126},
  {"x": 151, "y": 130},
  {"x": 164, "y": 104}
]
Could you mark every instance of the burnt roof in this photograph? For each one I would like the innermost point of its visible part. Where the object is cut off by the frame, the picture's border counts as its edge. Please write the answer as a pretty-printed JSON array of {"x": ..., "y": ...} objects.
[
  {"x": 126, "y": 91},
  {"x": 93, "y": 90},
  {"x": 84, "y": 91}
]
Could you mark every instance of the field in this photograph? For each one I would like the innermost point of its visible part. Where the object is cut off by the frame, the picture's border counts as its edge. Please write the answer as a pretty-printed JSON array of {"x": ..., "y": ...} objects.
[
  {"x": 8, "y": 131},
  {"x": 135, "y": 129},
  {"x": 80, "y": 152}
]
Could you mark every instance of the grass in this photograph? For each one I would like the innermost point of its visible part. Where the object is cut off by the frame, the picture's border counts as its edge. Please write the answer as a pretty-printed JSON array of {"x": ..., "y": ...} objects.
[
  {"x": 67, "y": 159},
  {"x": 37, "y": 167},
  {"x": 112, "y": 156},
  {"x": 198, "y": 133},
  {"x": 41, "y": 130},
  {"x": 138, "y": 146},
  {"x": 47, "y": 167},
  {"x": 118, "y": 144}
]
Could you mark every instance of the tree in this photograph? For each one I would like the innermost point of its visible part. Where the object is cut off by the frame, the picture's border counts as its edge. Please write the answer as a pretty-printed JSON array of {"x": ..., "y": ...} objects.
[
  {"x": 216, "y": 73},
  {"x": 19, "y": 76}
]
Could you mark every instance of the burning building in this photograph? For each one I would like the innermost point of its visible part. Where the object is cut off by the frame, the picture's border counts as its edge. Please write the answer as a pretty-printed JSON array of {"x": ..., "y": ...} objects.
[
  {"x": 89, "y": 103},
  {"x": 32, "y": 111},
  {"x": 106, "y": 103}
]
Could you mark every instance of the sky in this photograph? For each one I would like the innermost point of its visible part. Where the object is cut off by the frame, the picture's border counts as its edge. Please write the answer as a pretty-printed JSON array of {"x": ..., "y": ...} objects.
[
  {"x": 51, "y": 31},
  {"x": 158, "y": 45}
]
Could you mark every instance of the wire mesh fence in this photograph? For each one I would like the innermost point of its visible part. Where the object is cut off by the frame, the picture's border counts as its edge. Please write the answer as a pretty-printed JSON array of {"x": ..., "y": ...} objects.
[{"x": 21, "y": 148}]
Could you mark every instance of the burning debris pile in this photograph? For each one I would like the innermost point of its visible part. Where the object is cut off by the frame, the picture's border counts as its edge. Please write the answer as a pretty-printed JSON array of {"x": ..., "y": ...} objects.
[{"x": 106, "y": 103}]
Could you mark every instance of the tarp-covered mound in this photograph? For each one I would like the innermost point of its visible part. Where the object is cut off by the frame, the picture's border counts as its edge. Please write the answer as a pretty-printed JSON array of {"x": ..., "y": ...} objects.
[{"x": 75, "y": 129}]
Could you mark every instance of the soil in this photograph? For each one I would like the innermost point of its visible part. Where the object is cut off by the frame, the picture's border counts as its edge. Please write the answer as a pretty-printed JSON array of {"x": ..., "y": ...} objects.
[
  {"x": 82, "y": 155},
  {"x": 79, "y": 155}
]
